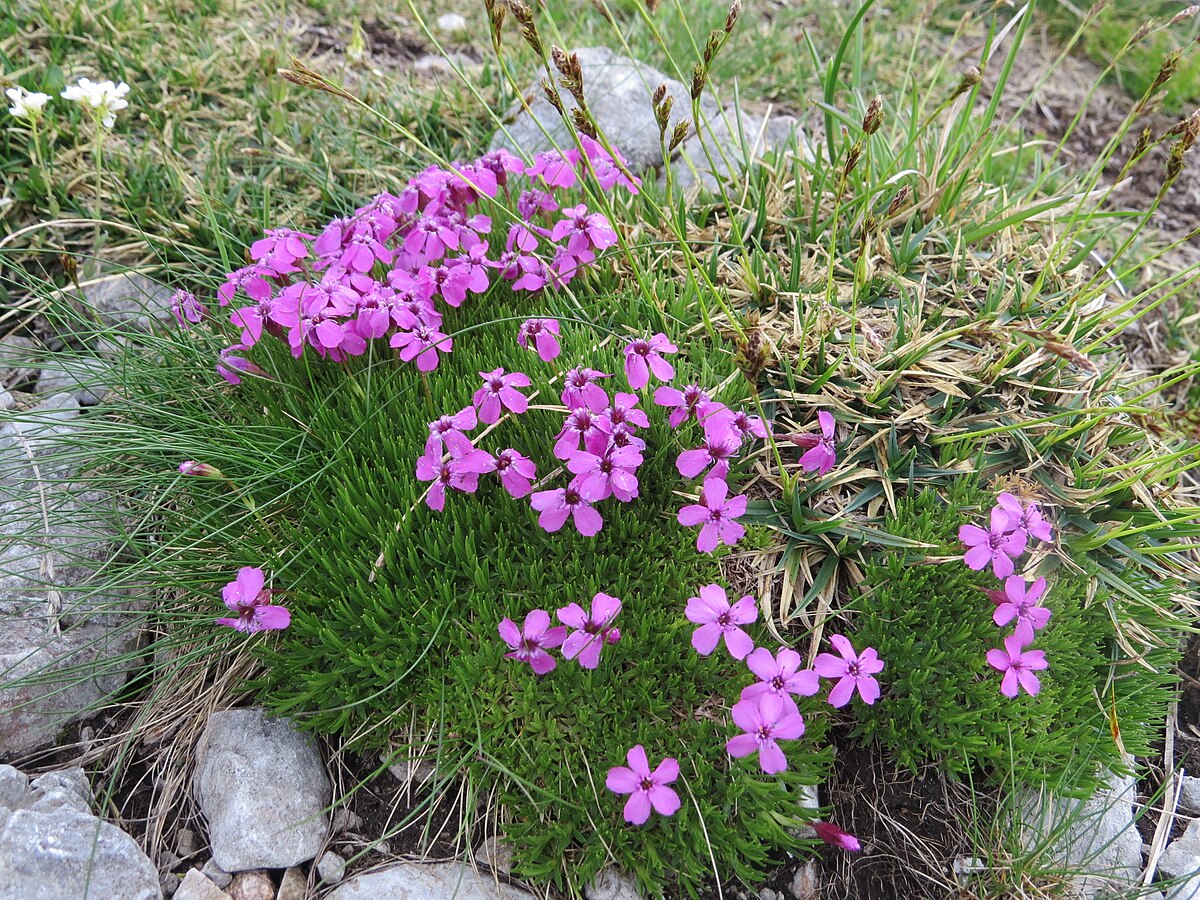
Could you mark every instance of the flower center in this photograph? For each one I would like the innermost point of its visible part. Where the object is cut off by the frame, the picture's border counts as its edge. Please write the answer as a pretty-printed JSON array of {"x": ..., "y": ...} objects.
[
  {"x": 777, "y": 682},
  {"x": 646, "y": 784},
  {"x": 723, "y": 620},
  {"x": 571, "y": 497},
  {"x": 852, "y": 669},
  {"x": 764, "y": 732}
]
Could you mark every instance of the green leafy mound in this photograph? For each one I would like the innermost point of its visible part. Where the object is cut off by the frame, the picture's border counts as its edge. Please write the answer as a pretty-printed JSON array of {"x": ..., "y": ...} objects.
[
  {"x": 933, "y": 624},
  {"x": 408, "y": 651}
]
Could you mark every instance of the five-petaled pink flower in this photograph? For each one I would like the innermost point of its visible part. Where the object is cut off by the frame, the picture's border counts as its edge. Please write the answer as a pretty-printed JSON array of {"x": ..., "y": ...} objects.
[
  {"x": 997, "y": 545},
  {"x": 581, "y": 390},
  {"x": 594, "y": 629},
  {"x": 715, "y": 514},
  {"x": 765, "y": 720},
  {"x": 423, "y": 344},
  {"x": 717, "y": 619},
  {"x": 646, "y": 789},
  {"x": 1021, "y": 603},
  {"x": 603, "y": 471},
  {"x": 515, "y": 471},
  {"x": 530, "y": 642},
  {"x": 780, "y": 675},
  {"x": 1018, "y": 666},
  {"x": 555, "y": 506},
  {"x": 1025, "y": 518},
  {"x": 499, "y": 392},
  {"x": 247, "y": 597},
  {"x": 644, "y": 356},
  {"x": 543, "y": 335},
  {"x": 458, "y": 473},
  {"x": 448, "y": 433},
  {"x": 822, "y": 451},
  {"x": 683, "y": 404},
  {"x": 836, "y": 837},
  {"x": 854, "y": 670}
]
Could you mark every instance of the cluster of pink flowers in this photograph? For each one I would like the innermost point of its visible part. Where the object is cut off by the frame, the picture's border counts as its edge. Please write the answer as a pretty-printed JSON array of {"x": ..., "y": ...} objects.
[
  {"x": 384, "y": 272},
  {"x": 1011, "y": 526},
  {"x": 592, "y": 630}
]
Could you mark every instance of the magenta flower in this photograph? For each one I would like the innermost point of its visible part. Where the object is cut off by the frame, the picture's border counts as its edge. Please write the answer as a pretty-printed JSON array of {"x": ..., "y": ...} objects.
[
  {"x": 247, "y": 597},
  {"x": 584, "y": 232},
  {"x": 499, "y": 392},
  {"x": 555, "y": 168},
  {"x": 822, "y": 452},
  {"x": 447, "y": 433},
  {"x": 717, "y": 619},
  {"x": 643, "y": 357},
  {"x": 605, "y": 471},
  {"x": 231, "y": 364},
  {"x": 1018, "y": 666},
  {"x": 646, "y": 789},
  {"x": 683, "y": 404},
  {"x": 593, "y": 630},
  {"x": 715, "y": 452},
  {"x": 997, "y": 545},
  {"x": 1027, "y": 519},
  {"x": 542, "y": 334},
  {"x": 530, "y": 643},
  {"x": 186, "y": 309},
  {"x": 765, "y": 720},
  {"x": 624, "y": 412},
  {"x": 516, "y": 472},
  {"x": 452, "y": 473},
  {"x": 199, "y": 469},
  {"x": 780, "y": 675},
  {"x": 580, "y": 423},
  {"x": 423, "y": 344},
  {"x": 722, "y": 422},
  {"x": 280, "y": 249},
  {"x": 555, "y": 506},
  {"x": 854, "y": 670},
  {"x": 836, "y": 837},
  {"x": 1020, "y": 603},
  {"x": 715, "y": 514},
  {"x": 582, "y": 390}
]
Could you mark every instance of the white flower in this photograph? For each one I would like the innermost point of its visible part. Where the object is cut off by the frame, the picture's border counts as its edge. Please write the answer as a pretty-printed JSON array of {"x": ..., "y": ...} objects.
[
  {"x": 103, "y": 98},
  {"x": 26, "y": 104}
]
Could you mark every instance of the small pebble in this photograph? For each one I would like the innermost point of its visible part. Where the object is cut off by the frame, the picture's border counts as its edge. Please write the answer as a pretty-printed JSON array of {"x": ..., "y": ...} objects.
[
  {"x": 255, "y": 885},
  {"x": 451, "y": 23},
  {"x": 331, "y": 868},
  {"x": 216, "y": 874}
]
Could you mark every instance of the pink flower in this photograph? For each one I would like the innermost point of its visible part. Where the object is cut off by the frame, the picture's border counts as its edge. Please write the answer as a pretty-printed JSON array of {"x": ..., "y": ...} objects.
[
  {"x": 452, "y": 473},
  {"x": 605, "y": 471},
  {"x": 580, "y": 423},
  {"x": 585, "y": 233},
  {"x": 608, "y": 173},
  {"x": 854, "y": 670},
  {"x": 199, "y": 469},
  {"x": 581, "y": 389},
  {"x": 555, "y": 506},
  {"x": 765, "y": 720},
  {"x": 683, "y": 404},
  {"x": 624, "y": 412},
  {"x": 780, "y": 675},
  {"x": 721, "y": 421},
  {"x": 1020, "y": 603},
  {"x": 1018, "y": 666},
  {"x": 530, "y": 643},
  {"x": 448, "y": 432},
  {"x": 1027, "y": 519},
  {"x": 187, "y": 309},
  {"x": 554, "y": 168},
  {"x": 643, "y": 357},
  {"x": 715, "y": 515},
  {"x": 543, "y": 335},
  {"x": 716, "y": 452},
  {"x": 499, "y": 392},
  {"x": 280, "y": 249},
  {"x": 822, "y": 452},
  {"x": 996, "y": 545},
  {"x": 247, "y": 597},
  {"x": 836, "y": 837},
  {"x": 717, "y": 619},
  {"x": 646, "y": 789},
  {"x": 516, "y": 472},
  {"x": 594, "y": 629},
  {"x": 231, "y": 364},
  {"x": 423, "y": 343}
]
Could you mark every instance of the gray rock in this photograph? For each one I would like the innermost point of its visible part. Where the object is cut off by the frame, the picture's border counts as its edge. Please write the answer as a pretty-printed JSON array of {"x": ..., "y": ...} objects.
[
  {"x": 1096, "y": 837},
  {"x": 806, "y": 883},
  {"x": 262, "y": 786},
  {"x": 128, "y": 300},
  {"x": 53, "y": 848},
  {"x": 734, "y": 139},
  {"x": 216, "y": 874},
  {"x": 293, "y": 885},
  {"x": 256, "y": 885},
  {"x": 19, "y": 360},
  {"x": 1185, "y": 890},
  {"x": 1181, "y": 859},
  {"x": 611, "y": 883},
  {"x": 418, "y": 881},
  {"x": 196, "y": 887},
  {"x": 84, "y": 378},
  {"x": 618, "y": 91},
  {"x": 63, "y": 636},
  {"x": 494, "y": 853},
  {"x": 1189, "y": 795},
  {"x": 331, "y": 867}
]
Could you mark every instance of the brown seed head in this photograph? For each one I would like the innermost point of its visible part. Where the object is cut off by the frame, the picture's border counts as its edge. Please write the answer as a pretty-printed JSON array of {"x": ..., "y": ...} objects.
[
  {"x": 735, "y": 10},
  {"x": 874, "y": 117},
  {"x": 679, "y": 135}
]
